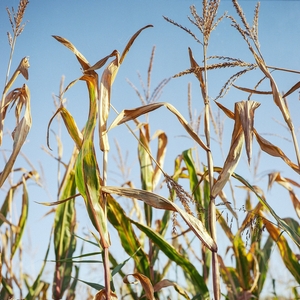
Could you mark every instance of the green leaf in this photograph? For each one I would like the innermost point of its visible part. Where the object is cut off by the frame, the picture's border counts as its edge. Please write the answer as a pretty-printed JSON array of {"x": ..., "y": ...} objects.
[
  {"x": 130, "y": 242},
  {"x": 34, "y": 289},
  {"x": 193, "y": 178},
  {"x": 295, "y": 236},
  {"x": 64, "y": 227},
  {"x": 173, "y": 255},
  {"x": 94, "y": 285},
  {"x": 22, "y": 220}
]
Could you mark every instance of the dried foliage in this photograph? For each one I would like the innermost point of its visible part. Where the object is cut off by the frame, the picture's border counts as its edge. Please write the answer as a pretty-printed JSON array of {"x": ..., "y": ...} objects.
[{"x": 192, "y": 188}]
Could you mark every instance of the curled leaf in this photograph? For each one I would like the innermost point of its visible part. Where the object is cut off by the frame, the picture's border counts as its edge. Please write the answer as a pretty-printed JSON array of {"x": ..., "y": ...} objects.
[
  {"x": 21, "y": 97},
  {"x": 145, "y": 282}
]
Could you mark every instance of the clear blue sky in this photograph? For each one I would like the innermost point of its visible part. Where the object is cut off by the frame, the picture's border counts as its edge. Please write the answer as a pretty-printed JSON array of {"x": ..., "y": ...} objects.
[{"x": 98, "y": 27}]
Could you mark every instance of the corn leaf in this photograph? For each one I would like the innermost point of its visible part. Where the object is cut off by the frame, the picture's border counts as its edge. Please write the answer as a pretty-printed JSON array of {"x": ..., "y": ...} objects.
[
  {"x": 20, "y": 132},
  {"x": 145, "y": 282},
  {"x": 295, "y": 236},
  {"x": 33, "y": 290},
  {"x": 146, "y": 167},
  {"x": 188, "y": 268},
  {"x": 276, "y": 95},
  {"x": 289, "y": 258},
  {"x": 131, "y": 114},
  {"x": 22, "y": 220},
  {"x": 95, "y": 286},
  {"x": 71, "y": 291},
  {"x": 252, "y": 91},
  {"x": 193, "y": 178},
  {"x": 71, "y": 126},
  {"x": 167, "y": 283},
  {"x": 263, "y": 257},
  {"x": 273, "y": 150},
  {"x": 160, "y": 202},
  {"x": 130, "y": 242},
  {"x": 160, "y": 156},
  {"x": 101, "y": 295},
  {"x": 6, "y": 204},
  {"x": 292, "y": 89},
  {"x": 234, "y": 154},
  {"x": 64, "y": 239}
]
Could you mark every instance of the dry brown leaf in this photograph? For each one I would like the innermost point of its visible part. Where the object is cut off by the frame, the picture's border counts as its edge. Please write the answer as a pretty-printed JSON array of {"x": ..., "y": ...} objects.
[
  {"x": 246, "y": 109},
  {"x": 22, "y": 69},
  {"x": 131, "y": 41},
  {"x": 145, "y": 282},
  {"x": 285, "y": 182},
  {"x": 251, "y": 90},
  {"x": 131, "y": 114},
  {"x": 160, "y": 202},
  {"x": 160, "y": 156},
  {"x": 233, "y": 156},
  {"x": 167, "y": 283},
  {"x": 227, "y": 111},
  {"x": 101, "y": 296},
  {"x": 20, "y": 132},
  {"x": 273, "y": 150},
  {"x": 107, "y": 79},
  {"x": 82, "y": 60},
  {"x": 292, "y": 89},
  {"x": 276, "y": 95},
  {"x": 198, "y": 73}
]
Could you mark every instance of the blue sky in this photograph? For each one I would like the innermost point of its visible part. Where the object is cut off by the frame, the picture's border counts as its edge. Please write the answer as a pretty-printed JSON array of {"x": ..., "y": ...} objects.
[{"x": 98, "y": 27}]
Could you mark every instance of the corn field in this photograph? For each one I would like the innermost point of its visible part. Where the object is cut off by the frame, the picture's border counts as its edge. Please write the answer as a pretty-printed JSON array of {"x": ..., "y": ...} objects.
[{"x": 153, "y": 199}]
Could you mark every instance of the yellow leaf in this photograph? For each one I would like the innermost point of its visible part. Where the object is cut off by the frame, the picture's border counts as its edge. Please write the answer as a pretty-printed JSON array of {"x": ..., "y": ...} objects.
[
  {"x": 233, "y": 156},
  {"x": 273, "y": 150}
]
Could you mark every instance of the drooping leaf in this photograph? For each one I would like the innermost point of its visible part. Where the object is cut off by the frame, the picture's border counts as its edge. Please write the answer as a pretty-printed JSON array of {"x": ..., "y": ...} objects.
[
  {"x": 167, "y": 283},
  {"x": 145, "y": 282},
  {"x": 21, "y": 131},
  {"x": 130, "y": 242},
  {"x": 131, "y": 114},
  {"x": 188, "y": 268},
  {"x": 273, "y": 150},
  {"x": 160, "y": 202},
  {"x": 94, "y": 285},
  {"x": 101, "y": 295},
  {"x": 289, "y": 258},
  {"x": 233, "y": 156},
  {"x": 295, "y": 236}
]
